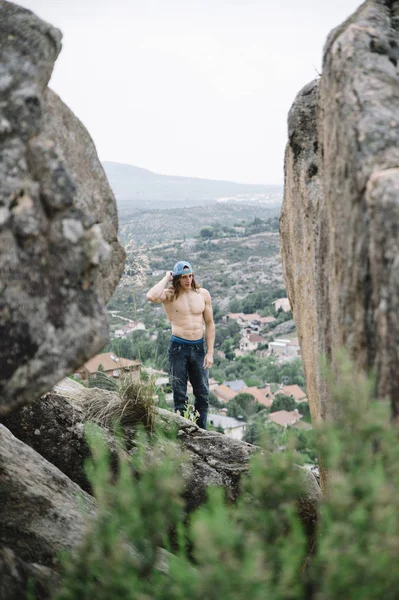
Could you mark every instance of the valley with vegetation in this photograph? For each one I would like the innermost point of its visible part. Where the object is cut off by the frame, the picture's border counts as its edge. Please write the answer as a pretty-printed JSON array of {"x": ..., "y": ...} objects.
[{"x": 234, "y": 248}]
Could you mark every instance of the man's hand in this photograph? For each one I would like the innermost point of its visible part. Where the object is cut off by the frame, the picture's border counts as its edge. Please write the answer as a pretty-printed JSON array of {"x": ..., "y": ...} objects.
[
  {"x": 208, "y": 360},
  {"x": 168, "y": 276}
]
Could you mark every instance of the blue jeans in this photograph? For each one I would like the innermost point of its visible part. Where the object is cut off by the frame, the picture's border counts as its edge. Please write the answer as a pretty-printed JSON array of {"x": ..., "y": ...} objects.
[{"x": 186, "y": 363}]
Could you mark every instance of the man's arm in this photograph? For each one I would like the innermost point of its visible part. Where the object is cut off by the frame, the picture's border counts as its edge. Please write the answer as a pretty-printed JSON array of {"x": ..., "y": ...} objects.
[
  {"x": 158, "y": 293},
  {"x": 209, "y": 331}
]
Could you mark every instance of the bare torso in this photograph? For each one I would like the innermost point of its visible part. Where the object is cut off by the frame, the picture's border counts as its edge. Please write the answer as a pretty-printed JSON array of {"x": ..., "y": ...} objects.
[{"x": 186, "y": 314}]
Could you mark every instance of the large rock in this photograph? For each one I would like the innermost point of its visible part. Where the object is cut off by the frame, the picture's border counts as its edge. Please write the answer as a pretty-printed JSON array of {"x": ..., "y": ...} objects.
[
  {"x": 58, "y": 262},
  {"x": 340, "y": 217},
  {"x": 74, "y": 146},
  {"x": 300, "y": 233},
  {"x": 57, "y": 421},
  {"x": 42, "y": 512},
  {"x": 54, "y": 427},
  {"x": 17, "y": 576}
]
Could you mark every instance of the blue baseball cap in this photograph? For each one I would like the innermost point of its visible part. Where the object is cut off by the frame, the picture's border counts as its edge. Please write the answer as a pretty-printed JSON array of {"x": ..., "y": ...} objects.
[{"x": 182, "y": 268}]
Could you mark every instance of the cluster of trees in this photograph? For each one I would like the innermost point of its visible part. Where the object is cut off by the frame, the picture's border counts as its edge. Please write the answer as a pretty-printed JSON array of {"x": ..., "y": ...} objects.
[
  {"x": 256, "y": 226},
  {"x": 260, "y": 301},
  {"x": 215, "y": 231},
  {"x": 255, "y": 370},
  {"x": 243, "y": 405},
  {"x": 283, "y": 402},
  {"x": 260, "y": 431},
  {"x": 246, "y": 406},
  {"x": 259, "y": 225}
]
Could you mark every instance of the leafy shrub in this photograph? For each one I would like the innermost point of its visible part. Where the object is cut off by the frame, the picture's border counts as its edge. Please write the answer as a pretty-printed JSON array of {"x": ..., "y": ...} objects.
[
  {"x": 223, "y": 551},
  {"x": 256, "y": 548},
  {"x": 282, "y": 402}
]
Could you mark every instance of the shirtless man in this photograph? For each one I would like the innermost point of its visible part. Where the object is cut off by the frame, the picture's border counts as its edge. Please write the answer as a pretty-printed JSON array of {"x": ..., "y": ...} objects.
[{"x": 187, "y": 306}]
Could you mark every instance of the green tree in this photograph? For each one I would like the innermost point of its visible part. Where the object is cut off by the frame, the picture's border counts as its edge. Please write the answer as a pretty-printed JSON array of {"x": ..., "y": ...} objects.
[
  {"x": 226, "y": 345},
  {"x": 303, "y": 408},
  {"x": 206, "y": 233},
  {"x": 233, "y": 328},
  {"x": 214, "y": 400},
  {"x": 256, "y": 547},
  {"x": 242, "y": 404},
  {"x": 235, "y": 305},
  {"x": 282, "y": 402},
  {"x": 293, "y": 373},
  {"x": 234, "y": 409}
]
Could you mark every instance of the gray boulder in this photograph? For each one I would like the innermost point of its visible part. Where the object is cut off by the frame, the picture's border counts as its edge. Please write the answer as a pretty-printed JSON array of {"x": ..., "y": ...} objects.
[
  {"x": 340, "y": 213},
  {"x": 54, "y": 427},
  {"x": 59, "y": 258},
  {"x": 42, "y": 512},
  {"x": 57, "y": 421},
  {"x": 282, "y": 329},
  {"x": 300, "y": 232},
  {"x": 17, "y": 576},
  {"x": 73, "y": 144}
]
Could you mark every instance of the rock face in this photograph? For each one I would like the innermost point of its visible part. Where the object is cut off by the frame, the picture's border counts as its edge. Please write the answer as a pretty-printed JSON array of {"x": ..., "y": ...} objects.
[
  {"x": 16, "y": 575},
  {"x": 41, "y": 510},
  {"x": 340, "y": 218},
  {"x": 299, "y": 229},
  {"x": 54, "y": 426},
  {"x": 59, "y": 262},
  {"x": 93, "y": 195},
  {"x": 57, "y": 252}
]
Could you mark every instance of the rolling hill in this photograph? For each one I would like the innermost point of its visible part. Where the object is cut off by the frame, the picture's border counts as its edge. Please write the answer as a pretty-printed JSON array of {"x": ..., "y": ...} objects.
[{"x": 140, "y": 188}]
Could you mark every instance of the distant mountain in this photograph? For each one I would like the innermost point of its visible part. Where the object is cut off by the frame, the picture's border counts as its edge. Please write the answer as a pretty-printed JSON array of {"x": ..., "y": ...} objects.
[{"x": 139, "y": 188}]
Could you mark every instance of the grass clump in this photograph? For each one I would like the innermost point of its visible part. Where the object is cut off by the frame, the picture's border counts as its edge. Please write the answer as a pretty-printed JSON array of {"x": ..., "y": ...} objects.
[{"x": 128, "y": 404}]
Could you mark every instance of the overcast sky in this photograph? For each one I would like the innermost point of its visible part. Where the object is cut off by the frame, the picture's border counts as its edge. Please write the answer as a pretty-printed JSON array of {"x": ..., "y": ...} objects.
[{"x": 190, "y": 87}]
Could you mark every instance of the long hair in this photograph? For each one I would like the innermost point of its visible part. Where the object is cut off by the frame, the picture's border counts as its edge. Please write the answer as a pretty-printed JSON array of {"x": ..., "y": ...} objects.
[{"x": 177, "y": 289}]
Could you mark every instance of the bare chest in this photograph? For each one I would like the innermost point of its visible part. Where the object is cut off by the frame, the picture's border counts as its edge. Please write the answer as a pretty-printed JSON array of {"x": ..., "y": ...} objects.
[{"x": 187, "y": 305}]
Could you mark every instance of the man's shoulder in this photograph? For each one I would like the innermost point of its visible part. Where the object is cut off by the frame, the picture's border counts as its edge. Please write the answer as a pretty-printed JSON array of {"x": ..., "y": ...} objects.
[{"x": 204, "y": 292}]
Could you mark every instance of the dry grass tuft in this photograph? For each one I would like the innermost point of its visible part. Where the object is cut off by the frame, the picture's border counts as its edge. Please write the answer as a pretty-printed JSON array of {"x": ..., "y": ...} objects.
[{"x": 131, "y": 404}]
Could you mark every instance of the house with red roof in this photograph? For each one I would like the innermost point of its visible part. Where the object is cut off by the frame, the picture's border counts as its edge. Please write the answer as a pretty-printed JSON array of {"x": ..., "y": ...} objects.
[
  {"x": 112, "y": 365},
  {"x": 224, "y": 393},
  {"x": 285, "y": 418},
  {"x": 262, "y": 395},
  {"x": 251, "y": 341},
  {"x": 294, "y": 391}
]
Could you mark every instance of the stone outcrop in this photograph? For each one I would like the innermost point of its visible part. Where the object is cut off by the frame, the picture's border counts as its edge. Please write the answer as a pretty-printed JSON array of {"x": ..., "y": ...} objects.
[
  {"x": 93, "y": 195},
  {"x": 16, "y": 575},
  {"x": 54, "y": 426},
  {"x": 299, "y": 230},
  {"x": 59, "y": 263},
  {"x": 42, "y": 512},
  {"x": 340, "y": 214},
  {"x": 59, "y": 257}
]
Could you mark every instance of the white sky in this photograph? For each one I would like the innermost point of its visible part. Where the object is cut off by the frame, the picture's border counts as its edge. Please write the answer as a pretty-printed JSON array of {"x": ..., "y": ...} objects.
[{"x": 190, "y": 87}]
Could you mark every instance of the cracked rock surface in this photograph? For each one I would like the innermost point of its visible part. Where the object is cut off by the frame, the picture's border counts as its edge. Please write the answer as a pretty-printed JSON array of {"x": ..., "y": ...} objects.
[
  {"x": 340, "y": 217},
  {"x": 59, "y": 258},
  {"x": 213, "y": 458},
  {"x": 42, "y": 512}
]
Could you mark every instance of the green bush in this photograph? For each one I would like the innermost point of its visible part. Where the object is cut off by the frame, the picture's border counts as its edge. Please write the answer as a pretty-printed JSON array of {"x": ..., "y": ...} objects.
[
  {"x": 243, "y": 404},
  {"x": 222, "y": 551},
  {"x": 283, "y": 402},
  {"x": 255, "y": 548}
]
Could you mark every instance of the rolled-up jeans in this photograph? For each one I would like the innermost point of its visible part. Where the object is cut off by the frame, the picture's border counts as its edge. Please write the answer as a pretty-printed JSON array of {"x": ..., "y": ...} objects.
[{"x": 186, "y": 364}]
